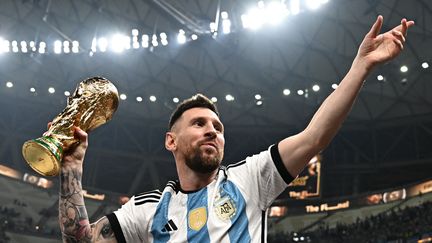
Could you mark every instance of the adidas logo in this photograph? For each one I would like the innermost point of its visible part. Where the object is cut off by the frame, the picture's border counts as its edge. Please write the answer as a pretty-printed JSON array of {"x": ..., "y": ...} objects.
[{"x": 170, "y": 226}]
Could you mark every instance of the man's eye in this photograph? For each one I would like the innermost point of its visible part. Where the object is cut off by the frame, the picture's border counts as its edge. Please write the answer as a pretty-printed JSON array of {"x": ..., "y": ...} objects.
[{"x": 198, "y": 123}]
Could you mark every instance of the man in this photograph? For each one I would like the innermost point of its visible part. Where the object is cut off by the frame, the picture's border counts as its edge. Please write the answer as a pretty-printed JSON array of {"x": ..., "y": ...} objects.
[{"x": 211, "y": 203}]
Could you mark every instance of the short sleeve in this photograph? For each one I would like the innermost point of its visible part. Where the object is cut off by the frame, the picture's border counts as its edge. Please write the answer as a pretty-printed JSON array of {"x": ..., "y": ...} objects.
[
  {"x": 261, "y": 177},
  {"x": 125, "y": 222}
]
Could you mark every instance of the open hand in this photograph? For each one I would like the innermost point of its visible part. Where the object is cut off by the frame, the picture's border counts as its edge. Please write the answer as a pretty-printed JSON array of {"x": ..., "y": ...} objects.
[{"x": 377, "y": 48}]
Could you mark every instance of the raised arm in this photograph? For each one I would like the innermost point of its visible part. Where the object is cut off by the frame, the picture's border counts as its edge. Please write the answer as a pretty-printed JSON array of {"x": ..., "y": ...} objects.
[
  {"x": 73, "y": 219},
  {"x": 296, "y": 151}
]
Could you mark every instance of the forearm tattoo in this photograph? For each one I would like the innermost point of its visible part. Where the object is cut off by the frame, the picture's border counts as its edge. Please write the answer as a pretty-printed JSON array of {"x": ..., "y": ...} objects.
[{"x": 74, "y": 222}]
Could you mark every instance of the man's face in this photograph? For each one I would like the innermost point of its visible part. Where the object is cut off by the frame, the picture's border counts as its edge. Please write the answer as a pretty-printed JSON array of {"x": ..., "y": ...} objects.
[{"x": 200, "y": 140}]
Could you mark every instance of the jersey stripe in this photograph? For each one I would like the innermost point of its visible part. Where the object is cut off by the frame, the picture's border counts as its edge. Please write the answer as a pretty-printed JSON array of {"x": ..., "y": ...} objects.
[
  {"x": 146, "y": 201},
  {"x": 157, "y": 191},
  {"x": 160, "y": 219},
  {"x": 197, "y": 209},
  {"x": 157, "y": 196},
  {"x": 239, "y": 231}
]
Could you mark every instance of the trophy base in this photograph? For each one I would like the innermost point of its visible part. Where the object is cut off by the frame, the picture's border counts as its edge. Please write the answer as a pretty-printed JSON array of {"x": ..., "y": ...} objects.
[{"x": 43, "y": 155}]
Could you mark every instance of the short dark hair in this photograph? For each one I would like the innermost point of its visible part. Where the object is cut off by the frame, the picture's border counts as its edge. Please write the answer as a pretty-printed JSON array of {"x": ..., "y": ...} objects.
[{"x": 198, "y": 100}]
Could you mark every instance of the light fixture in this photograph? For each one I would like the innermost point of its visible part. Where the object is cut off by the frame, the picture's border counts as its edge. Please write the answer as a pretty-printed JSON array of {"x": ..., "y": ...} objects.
[
  {"x": 300, "y": 92},
  {"x": 380, "y": 78},
  {"x": 229, "y": 97},
  {"x": 194, "y": 37},
  {"x": 226, "y": 23},
  {"x": 32, "y": 90},
  {"x": 425, "y": 65},
  {"x": 75, "y": 46},
  {"x": 334, "y": 86},
  {"x": 139, "y": 99},
  {"x": 102, "y": 44},
  {"x": 259, "y": 102},
  {"x": 145, "y": 41},
  {"x": 295, "y": 6},
  {"x": 57, "y": 47},
  {"x": 152, "y": 98},
  {"x": 316, "y": 88},
  {"x": 67, "y": 93},
  {"x": 181, "y": 37},
  {"x": 154, "y": 40},
  {"x": 51, "y": 90},
  {"x": 404, "y": 69},
  {"x": 176, "y": 100},
  {"x": 286, "y": 92},
  {"x": 9, "y": 84},
  {"x": 258, "y": 97},
  {"x": 214, "y": 99},
  {"x": 164, "y": 38},
  {"x": 123, "y": 97}
]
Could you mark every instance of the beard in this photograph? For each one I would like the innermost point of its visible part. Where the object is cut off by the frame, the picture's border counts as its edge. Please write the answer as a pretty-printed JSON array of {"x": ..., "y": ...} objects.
[{"x": 203, "y": 162}]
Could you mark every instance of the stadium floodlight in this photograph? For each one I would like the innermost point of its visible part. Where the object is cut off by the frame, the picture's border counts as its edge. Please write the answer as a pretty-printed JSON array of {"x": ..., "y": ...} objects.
[
  {"x": 229, "y": 97},
  {"x": 135, "y": 32},
  {"x": 181, "y": 37},
  {"x": 154, "y": 40},
  {"x": 152, "y": 98},
  {"x": 286, "y": 92},
  {"x": 14, "y": 46},
  {"x": 300, "y": 92},
  {"x": 380, "y": 78},
  {"x": 102, "y": 44},
  {"x": 57, "y": 47},
  {"x": 315, "y": 4},
  {"x": 425, "y": 65},
  {"x": 164, "y": 38},
  {"x": 118, "y": 43},
  {"x": 404, "y": 69},
  {"x": 51, "y": 90},
  {"x": 4, "y": 45},
  {"x": 23, "y": 46},
  {"x": 123, "y": 97},
  {"x": 194, "y": 37},
  {"x": 66, "y": 46},
  {"x": 75, "y": 46},
  {"x": 214, "y": 99},
  {"x": 258, "y": 97},
  {"x": 139, "y": 99},
  {"x": 259, "y": 102},
  {"x": 276, "y": 12},
  {"x": 9, "y": 84},
  {"x": 316, "y": 88},
  {"x": 42, "y": 46},
  {"x": 145, "y": 41},
  {"x": 176, "y": 100},
  {"x": 254, "y": 19},
  {"x": 334, "y": 86},
  {"x": 94, "y": 45},
  {"x": 295, "y": 7},
  {"x": 67, "y": 93},
  {"x": 32, "y": 90}
]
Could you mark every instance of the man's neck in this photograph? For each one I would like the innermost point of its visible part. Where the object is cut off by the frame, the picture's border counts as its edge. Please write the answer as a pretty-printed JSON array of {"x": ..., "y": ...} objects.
[{"x": 193, "y": 181}]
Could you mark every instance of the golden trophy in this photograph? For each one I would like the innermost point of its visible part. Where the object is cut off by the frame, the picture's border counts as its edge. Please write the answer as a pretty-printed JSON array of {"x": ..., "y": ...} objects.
[{"x": 92, "y": 104}]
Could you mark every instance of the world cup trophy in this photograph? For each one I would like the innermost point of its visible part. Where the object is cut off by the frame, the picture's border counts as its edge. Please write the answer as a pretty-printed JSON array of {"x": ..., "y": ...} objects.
[{"x": 92, "y": 104}]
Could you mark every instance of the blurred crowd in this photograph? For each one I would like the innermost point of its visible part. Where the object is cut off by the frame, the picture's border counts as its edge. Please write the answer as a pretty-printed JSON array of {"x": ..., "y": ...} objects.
[
  {"x": 397, "y": 225},
  {"x": 13, "y": 220}
]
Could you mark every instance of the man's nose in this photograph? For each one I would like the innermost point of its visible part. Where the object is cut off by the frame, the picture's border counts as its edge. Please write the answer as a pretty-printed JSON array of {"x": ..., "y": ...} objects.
[{"x": 210, "y": 131}]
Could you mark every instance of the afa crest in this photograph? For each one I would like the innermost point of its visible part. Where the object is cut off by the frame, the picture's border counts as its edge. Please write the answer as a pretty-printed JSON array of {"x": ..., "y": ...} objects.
[
  {"x": 197, "y": 218},
  {"x": 225, "y": 208}
]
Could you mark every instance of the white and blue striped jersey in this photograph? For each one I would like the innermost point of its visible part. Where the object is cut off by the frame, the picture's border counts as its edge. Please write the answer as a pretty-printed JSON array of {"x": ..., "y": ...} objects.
[{"x": 232, "y": 208}]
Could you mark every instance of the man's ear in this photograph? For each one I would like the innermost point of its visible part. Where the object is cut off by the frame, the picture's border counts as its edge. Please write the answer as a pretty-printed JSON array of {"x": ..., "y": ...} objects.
[{"x": 170, "y": 143}]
